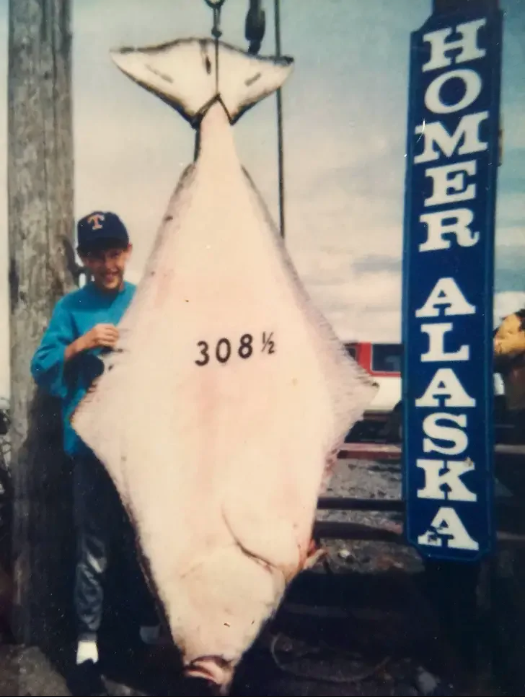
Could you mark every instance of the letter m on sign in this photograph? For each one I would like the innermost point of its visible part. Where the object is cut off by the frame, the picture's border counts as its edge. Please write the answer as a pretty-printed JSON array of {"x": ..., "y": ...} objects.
[{"x": 448, "y": 268}]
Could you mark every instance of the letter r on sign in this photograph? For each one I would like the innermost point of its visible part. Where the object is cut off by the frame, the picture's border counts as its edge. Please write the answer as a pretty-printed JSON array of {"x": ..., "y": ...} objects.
[{"x": 458, "y": 224}]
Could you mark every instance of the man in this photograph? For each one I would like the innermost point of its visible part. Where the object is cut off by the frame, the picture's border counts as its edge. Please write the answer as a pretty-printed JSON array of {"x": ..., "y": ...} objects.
[
  {"x": 509, "y": 355},
  {"x": 83, "y": 325}
]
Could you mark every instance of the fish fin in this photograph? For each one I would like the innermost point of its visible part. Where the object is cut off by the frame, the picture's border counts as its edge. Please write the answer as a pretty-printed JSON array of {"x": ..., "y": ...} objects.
[
  {"x": 92, "y": 417},
  {"x": 183, "y": 74},
  {"x": 316, "y": 555},
  {"x": 352, "y": 388},
  {"x": 271, "y": 543}
]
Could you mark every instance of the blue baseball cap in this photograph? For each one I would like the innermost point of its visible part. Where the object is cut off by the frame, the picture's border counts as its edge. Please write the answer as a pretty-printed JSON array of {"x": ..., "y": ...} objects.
[{"x": 101, "y": 229}]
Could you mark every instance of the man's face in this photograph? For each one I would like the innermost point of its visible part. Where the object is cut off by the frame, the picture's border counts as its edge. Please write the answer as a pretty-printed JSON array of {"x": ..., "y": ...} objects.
[{"x": 107, "y": 266}]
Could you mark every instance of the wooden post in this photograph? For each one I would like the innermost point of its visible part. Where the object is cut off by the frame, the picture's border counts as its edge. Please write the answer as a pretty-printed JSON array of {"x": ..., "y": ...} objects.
[{"x": 41, "y": 222}]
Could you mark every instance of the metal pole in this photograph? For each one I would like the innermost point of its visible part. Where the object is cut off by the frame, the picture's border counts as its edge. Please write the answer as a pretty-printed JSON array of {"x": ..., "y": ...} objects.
[{"x": 280, "y": 143}]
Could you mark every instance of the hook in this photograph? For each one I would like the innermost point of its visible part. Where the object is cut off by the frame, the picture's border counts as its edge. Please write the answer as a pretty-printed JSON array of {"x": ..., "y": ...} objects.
[
  {"x": 216, "y": 6},
  {"x": 255, "y": 26}
]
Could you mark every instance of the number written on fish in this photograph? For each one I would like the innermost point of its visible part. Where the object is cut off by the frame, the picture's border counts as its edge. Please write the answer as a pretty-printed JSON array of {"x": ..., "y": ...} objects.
[{"x": 223, "y": 350}]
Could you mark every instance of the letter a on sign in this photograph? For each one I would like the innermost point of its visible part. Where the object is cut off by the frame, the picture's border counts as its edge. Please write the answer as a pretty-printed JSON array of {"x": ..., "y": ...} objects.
[{"x": 452, "y": 157}]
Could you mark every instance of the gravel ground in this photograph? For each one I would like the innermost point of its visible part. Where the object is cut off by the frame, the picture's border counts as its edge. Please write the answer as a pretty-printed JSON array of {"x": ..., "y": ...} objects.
[{"x": 372, "y": 480}]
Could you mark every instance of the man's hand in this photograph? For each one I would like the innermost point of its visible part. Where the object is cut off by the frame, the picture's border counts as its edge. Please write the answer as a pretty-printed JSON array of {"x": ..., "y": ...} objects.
[{"x": 102, "y": 335}]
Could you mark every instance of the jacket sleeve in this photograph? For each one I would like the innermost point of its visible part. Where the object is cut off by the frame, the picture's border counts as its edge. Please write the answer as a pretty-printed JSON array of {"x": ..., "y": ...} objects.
[
  {"x": 47, "y": 365},
  {"x": 510, "y": 338}
]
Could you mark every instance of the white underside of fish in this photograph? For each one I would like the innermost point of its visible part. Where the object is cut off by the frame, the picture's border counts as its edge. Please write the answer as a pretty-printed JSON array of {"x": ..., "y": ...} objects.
[{"x": 220, "y": 465}]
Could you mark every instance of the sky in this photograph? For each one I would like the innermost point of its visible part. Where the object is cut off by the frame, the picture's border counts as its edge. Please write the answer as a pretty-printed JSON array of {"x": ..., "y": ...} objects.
[{"x": 345, "y": 109}]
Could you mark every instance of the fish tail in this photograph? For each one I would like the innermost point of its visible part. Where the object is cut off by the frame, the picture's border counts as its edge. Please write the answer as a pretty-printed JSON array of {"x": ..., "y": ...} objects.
[{"x": 191, "y": 74}]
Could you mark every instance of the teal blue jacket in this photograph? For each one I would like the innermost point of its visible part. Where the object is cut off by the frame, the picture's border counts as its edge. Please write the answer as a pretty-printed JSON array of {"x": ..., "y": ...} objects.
[{"x": 74, "y": 315}]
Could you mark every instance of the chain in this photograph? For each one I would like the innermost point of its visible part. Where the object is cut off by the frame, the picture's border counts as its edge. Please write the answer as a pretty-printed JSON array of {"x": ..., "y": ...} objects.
[{"x": 216, "y": 6}]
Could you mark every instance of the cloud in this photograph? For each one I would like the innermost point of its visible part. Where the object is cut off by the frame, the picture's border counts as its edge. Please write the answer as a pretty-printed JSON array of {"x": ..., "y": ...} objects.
[
  {"x": 378, "y": 262},
  {"x": 507, "y": 302},
  {"x": 511, "y": 267},
  {"x": 510, "y": 208}
]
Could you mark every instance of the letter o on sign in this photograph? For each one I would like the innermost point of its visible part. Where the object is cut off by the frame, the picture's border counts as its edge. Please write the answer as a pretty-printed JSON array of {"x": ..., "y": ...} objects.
[{"x": 470, "y": 79}]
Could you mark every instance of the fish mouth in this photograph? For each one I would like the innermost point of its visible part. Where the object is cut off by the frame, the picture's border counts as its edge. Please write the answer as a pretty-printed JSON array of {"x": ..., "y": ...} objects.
[{"x": 217, "y": 671}]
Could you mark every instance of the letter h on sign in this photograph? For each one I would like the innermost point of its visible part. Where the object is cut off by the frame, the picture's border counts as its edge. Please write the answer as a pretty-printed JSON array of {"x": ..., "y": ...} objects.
[{"x": 448, "y": 267}]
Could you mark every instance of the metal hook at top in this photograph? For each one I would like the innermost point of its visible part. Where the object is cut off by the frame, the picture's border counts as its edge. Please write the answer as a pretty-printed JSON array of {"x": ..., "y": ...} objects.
[
  {"x": 216, "y": 29},
  {"x": 255, "y": 26},
  {"x": 216, "y": 6}
]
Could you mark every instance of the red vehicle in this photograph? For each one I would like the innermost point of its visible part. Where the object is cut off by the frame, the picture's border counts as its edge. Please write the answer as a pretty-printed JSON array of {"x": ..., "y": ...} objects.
[{"x": 383, "y": 417}]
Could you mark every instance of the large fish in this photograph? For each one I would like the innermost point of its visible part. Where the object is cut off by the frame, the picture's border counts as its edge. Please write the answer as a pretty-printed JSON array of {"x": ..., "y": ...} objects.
[{"x": 229, "y": 394}]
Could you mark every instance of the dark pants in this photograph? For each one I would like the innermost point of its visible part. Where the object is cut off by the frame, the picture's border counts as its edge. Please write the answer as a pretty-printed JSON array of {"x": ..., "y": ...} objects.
[{"x": 101, "y": 524}]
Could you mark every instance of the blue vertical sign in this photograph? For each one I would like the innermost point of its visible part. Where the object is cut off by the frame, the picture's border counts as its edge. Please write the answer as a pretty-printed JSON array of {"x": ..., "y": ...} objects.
[{"x": 452, "y": 161}]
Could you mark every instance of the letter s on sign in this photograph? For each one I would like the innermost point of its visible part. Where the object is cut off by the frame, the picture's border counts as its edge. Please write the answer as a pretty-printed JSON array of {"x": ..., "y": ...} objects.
[{"x": 454, "y": 435}]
